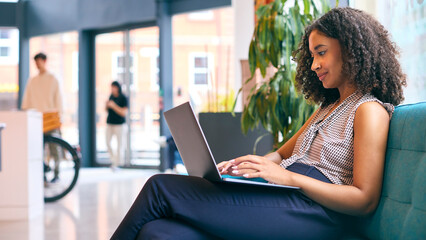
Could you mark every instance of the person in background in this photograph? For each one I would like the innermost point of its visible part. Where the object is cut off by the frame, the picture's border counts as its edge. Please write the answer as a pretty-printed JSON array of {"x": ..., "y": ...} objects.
[
  {"x": 117, "y": 109},
  {"x": 43, "y": 94},
  {"x": 175, "y": 164}
]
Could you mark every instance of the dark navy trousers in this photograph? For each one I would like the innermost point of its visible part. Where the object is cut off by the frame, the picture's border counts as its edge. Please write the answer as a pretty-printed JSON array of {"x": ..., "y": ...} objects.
[{"x": 184, "y": 207}]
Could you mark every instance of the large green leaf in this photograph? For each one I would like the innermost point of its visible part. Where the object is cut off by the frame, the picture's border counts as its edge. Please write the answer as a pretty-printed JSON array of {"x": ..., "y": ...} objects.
[
  {"x": 275, "y": 103},
  {"x": 279, "y": 27},
  {"x": 263, "y": 33},
  {"x": 260, "y": 12},
  {"x": 252, "y": 57},
  {"x": 261, "y": 60},
  {"x": 306, "y": 7}
]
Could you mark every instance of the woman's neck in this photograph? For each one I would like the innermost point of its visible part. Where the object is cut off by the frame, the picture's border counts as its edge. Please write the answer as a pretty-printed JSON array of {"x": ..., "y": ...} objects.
[
  {"x": 345, "y": 93},
  {"x": 42, "y": 71}
]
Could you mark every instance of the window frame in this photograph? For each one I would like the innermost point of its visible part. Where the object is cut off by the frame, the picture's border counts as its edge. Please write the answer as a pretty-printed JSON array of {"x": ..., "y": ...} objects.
[
  {"x": 115, "y": 69},
  {"x": 12, "y": 43},
  {"x": 153, "y": 53},
  {"x": 193, "y": 69}
]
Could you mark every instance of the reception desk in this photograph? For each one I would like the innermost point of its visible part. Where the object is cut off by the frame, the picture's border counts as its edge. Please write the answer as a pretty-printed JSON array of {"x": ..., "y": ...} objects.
[{"x": 21, "y": 175}]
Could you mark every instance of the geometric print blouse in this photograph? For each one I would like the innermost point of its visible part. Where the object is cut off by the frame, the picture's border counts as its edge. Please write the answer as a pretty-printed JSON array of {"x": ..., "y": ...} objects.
[{"x": 328, "y": 144}]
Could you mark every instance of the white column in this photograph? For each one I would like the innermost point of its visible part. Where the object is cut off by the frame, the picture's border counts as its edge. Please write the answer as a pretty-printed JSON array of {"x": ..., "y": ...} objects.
[
  {"x": 243, "y": 31},
  {"x": 21, "y": 175}
]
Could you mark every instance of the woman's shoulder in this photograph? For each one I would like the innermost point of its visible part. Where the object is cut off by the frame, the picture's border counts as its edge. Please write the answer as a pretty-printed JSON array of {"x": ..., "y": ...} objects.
[
  {"x": 123, "y": 98},
  {"x": 371, "y": 116},
  {"x": 368, "y": 102}
]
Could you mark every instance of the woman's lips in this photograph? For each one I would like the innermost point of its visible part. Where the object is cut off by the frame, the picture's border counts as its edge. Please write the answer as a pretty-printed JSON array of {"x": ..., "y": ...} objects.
[{"x": 322, "y": 76}]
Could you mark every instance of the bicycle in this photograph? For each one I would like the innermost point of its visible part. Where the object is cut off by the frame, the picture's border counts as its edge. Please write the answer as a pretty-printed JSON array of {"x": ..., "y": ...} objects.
[{"x": 61, "y": 164}]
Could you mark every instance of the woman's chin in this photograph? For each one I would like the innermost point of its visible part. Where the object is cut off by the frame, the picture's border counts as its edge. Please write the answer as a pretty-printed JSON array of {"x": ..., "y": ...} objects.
[{"x": 325, "y": 85}]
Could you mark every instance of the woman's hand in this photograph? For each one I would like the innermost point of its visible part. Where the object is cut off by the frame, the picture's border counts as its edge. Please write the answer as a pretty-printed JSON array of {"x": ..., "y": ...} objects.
[
  {"x": 111, "y": 104},
  {"x": 225, "y": 167},
  {"x": 251, "y": 166},
  {"x": 122, "y": 111}
]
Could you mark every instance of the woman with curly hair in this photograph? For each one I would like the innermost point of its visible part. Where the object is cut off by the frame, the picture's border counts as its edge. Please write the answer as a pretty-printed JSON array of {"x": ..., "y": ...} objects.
[{"x": 347, "y": 64}]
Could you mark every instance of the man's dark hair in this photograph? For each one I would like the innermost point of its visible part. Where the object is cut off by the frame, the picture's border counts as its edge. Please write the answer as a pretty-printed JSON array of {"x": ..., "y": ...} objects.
[
  {"x": 369, "y": 58},
  {"x": 40, "y": 56}
]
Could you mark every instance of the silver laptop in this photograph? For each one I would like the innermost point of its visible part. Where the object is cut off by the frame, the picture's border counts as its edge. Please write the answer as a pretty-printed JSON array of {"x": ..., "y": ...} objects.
[{"x": 194, "y": 149}]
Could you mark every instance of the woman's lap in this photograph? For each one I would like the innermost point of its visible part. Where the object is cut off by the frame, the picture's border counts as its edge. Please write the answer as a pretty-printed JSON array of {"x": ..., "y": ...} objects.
[
  {"x": 228, "y": 210},
  {"x": 168, "y": 228}
]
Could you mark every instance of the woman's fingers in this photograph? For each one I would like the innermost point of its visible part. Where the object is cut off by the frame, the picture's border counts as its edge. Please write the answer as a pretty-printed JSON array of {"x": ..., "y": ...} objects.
[
  {"x": 247, "y": 165},
  {"x": 248, "y": 158},
  {"x": 220, "y": 165},
  {"x": 224, "y": 166},
  {"x": 241, "y": 172},
  {"x": 241, "y": 166},
  {"x": 253, "y": 175}
]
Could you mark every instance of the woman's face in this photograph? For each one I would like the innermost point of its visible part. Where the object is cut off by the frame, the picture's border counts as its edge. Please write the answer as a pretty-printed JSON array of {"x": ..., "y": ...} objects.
[
  {"x": 114, "y": 91},
  {"x": 327, "y": 59}
]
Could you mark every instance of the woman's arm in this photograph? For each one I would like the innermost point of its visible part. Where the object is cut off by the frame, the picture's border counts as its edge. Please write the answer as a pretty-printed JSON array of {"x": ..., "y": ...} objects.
[
  {"x": 371, "y": 127},
  {"x": 122, "y": 111},
  {"x": 286, "y": 150}
]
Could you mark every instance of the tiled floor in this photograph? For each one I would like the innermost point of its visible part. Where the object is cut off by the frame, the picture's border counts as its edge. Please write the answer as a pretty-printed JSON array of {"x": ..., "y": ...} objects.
[{"x": 91, "y": 211}]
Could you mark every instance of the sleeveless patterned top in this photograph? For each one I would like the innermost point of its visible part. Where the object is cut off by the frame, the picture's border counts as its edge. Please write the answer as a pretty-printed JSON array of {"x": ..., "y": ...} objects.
[{"x": 327, "y": 144}]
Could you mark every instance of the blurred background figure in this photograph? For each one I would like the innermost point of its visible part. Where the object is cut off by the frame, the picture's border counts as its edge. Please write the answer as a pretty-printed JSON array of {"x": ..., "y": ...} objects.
[
  {"x": 117, "y": 107},
  {"x": 43, "y": 94}
]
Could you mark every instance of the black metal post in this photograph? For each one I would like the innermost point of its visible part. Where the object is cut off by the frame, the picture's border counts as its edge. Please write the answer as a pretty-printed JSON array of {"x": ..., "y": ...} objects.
[
  {"x": 164, "y": 20},
  {"x": 86, "y": 98}
]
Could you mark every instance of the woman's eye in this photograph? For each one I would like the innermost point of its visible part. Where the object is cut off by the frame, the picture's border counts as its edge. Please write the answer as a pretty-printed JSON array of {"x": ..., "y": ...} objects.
[{"x": 321, "y": 53}]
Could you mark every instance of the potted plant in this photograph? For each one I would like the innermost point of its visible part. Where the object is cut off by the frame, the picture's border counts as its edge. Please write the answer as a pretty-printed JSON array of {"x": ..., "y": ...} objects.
[
  {"x": 275, "y": 103},
  {"x": 222, "y": 138}
]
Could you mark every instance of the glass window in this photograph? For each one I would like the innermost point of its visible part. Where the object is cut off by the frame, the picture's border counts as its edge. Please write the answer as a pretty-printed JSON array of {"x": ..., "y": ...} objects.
[
  {"x": 201, "y": 16},
  {"x": 75, "y": 71},
  {"x": 155, "y": 69},
  {"x": 4, "y": 34},
  {"x": 62, "y": 61},
  {"x": 203, "y": 59},
  {"x": 9, "y": 60},
  {"x": 154, "y": 63},
  {"x": 9, "y": 46},
  {"x": 144, "y": 109},
  {"x": 4, "y": 51},
  {"x": 201, "y": 68},
  {"x": 200, "y": 62},
  {"x": 405, "y": 21},
  {"x": 119, "y": 66}
]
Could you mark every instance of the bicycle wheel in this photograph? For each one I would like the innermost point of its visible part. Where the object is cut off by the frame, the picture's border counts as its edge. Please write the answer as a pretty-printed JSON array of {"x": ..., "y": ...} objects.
[{"x": 61, "y": 167}]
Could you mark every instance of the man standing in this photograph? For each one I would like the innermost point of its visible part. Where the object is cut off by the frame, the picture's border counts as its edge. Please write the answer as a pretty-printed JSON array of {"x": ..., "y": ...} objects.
[{"x": 43, "y": 94}]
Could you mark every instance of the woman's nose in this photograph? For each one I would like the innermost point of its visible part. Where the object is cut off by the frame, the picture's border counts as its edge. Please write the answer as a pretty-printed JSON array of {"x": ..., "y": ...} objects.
[{"x": 315, "y": 65}]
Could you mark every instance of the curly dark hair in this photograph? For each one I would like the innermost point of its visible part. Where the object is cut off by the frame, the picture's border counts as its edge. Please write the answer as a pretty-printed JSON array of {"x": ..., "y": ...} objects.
[{"x": 369, "y": 58}]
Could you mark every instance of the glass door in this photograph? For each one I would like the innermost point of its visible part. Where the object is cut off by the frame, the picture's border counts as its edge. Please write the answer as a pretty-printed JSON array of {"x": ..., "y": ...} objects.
[
  {"x": 144, "y": 86},
  {"x": 131, "y": 58}
]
